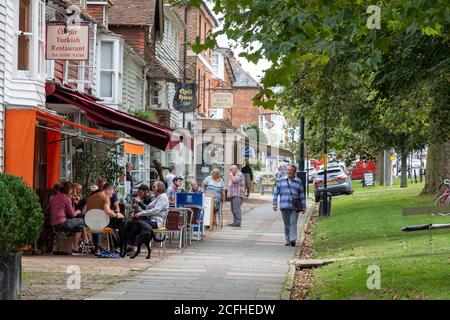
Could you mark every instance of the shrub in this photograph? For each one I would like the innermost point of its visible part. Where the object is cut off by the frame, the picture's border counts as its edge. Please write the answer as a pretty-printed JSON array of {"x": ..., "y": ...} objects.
[{"x": 21, "y": 215}]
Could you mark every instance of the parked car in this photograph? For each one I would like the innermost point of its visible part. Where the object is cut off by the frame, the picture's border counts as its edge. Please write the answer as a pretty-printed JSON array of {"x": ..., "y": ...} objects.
[
  {"x": 357, "y": 169},
  {"x": 338, "y": 182},
  {"x": 312, "y": 174}
]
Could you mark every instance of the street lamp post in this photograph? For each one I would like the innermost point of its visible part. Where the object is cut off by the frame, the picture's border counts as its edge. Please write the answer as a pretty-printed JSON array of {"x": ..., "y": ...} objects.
[
  {"x": 301, "y": 162},
  {"x": 324, "y": 211}
]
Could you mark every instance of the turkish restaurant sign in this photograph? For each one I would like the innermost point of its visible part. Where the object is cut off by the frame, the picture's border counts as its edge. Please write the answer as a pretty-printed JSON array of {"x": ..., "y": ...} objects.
[{"x": 67, "y": 43}]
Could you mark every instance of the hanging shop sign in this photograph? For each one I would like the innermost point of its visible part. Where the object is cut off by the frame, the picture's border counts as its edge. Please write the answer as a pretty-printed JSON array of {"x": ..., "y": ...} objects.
[
  {"x": 185, "y": 99},
  {"x": 67, "y": 42},
  {"x": 222, "y": 100}
]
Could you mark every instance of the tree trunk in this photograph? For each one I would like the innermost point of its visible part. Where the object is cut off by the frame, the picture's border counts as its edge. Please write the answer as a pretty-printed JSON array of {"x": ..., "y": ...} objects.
[
  {"x": 403, "y": 177},
  {"x": 438, "y": 167},
  {"x": 380, "y": 168}
]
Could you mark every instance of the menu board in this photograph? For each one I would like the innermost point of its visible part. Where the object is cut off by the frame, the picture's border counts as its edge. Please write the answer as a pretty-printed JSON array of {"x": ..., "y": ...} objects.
[{"x": 369, "y": 179}]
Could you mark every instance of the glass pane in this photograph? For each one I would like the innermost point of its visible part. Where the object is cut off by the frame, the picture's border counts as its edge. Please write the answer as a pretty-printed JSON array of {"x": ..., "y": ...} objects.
[
  {"x": 107, "y": 55},
  {"x": 24, "y": 16},
  {"x": 23, "y": 58},
  {"x": 106, "y": 82},
  {"x": 23, "y": 41}
]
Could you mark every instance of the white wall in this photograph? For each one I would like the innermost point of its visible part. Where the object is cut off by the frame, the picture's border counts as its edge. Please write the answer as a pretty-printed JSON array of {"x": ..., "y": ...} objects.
[
  {"x": 132, "y": 92},
  {"x": 2, "y": 76}
]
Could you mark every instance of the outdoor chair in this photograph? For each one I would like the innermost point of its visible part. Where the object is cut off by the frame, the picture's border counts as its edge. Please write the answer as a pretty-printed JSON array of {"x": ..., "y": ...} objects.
[
  {"x": 176, "y": 223},
  {"x": 196, "y": 222},
  {"x": 161, "y": 234}
]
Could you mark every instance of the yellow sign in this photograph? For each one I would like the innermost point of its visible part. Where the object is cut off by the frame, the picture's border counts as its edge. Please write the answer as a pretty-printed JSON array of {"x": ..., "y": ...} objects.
[{"x": 392, "y": 158}]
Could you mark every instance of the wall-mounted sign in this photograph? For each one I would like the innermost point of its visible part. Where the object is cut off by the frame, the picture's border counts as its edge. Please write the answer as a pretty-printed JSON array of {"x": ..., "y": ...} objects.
[
  {"x": 222, "y": 100},
  {"x": 67, "y": 42},
  {"x": 185, "y": 99}
]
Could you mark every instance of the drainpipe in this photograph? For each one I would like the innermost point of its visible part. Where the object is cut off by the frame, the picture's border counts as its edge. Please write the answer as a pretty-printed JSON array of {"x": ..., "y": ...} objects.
[{"x": 144, "y": 87}]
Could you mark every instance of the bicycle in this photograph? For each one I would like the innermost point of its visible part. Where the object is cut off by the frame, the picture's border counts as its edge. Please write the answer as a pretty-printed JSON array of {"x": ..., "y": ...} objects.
[{"x": 444, "y": 198}]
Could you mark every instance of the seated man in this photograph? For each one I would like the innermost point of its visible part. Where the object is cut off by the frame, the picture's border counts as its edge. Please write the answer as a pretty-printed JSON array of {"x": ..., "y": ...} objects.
[
  {"x": 194, "y": 187},
  {"x": 176, "y": 187},
  {"x": 101, "y": 200},
  {"x": 145, "y": 196}
]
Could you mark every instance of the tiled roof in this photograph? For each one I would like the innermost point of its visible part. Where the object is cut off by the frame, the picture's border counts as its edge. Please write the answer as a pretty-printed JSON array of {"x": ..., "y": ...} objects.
[
  {"x": 132, "y": 12},
  {"x": 243, "y": 79}
]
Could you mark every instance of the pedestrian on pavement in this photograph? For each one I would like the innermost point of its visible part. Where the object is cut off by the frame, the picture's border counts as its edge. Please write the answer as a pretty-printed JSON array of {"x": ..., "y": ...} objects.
[
  {"x": 292, "y": 202},
  {"x": 214, "y": 184},
  {"x": 236, "y": 194},
  {"x": 170, "y": 176},
  {"x": 248, "y": 174}
]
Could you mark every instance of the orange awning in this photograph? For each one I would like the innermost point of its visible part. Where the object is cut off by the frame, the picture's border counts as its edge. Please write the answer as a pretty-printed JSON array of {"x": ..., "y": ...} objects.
[
  {"x": 132, "y": 148},
  {"x": 42, "y": 115}
]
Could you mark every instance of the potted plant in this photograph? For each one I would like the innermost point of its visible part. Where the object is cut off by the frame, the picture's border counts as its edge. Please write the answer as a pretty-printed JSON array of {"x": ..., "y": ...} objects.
[{"x": 21, "y": 220}]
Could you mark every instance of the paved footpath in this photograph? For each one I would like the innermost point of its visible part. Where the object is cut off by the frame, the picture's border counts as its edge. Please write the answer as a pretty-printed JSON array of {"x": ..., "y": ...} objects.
[{"x": 250, "y": 262}]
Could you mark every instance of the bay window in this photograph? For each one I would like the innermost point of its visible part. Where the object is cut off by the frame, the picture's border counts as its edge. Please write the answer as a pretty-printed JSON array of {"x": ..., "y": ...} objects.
[
  {"x": 24, "y": 35},
  {"x": 30, "y": 33}
]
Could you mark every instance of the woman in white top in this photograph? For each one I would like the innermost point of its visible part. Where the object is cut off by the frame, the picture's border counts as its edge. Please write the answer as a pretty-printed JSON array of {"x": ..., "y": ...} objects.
[{"x": 156, "y": 211}]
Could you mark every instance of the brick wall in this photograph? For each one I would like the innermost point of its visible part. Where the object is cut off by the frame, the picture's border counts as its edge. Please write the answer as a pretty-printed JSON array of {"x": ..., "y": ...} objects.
[
  {"x": 243, "y": 111},
  {"x": 163, "y": 117},
  {"x": 96, "y": 11},
  {"x": 133, "y": 35}
]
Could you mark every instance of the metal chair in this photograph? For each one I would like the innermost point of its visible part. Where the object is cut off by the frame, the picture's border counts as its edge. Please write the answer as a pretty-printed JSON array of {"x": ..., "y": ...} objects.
[
  {"x": 177, "y": 223},
  {"x": 196, "y": 220},
  {"x": 162, "y": 232}
]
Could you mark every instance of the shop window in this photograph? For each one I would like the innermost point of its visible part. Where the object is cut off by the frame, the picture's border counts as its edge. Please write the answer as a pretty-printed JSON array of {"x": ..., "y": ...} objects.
[{"x": 138, "y": 171}]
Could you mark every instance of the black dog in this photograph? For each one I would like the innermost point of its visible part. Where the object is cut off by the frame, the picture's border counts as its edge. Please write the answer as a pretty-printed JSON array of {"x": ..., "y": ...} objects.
[{"x": 139, "y": 230}]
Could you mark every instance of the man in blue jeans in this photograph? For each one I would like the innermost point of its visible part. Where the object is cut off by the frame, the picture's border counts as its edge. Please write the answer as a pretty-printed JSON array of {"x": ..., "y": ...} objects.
[{"x": 288, "y": 188}]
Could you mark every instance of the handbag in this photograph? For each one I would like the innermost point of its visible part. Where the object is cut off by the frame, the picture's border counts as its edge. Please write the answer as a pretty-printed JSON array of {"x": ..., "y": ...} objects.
[{"x": 295, "y": 201}]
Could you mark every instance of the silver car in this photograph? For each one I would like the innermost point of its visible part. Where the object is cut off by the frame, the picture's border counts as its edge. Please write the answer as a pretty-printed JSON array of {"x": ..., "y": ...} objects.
[{"x": 338, "y": 182}]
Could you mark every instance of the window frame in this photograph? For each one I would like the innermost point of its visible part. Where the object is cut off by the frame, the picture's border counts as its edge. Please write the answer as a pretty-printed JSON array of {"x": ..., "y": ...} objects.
[
  {"x": 37, "y": 63},
  {"x": 116, "y": 70}
]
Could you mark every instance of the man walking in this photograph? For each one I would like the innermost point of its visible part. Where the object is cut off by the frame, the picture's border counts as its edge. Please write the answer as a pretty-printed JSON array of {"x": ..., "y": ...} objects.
[
  {"x": 292, "y": 202},
  {"x": 236, "y": 194}
]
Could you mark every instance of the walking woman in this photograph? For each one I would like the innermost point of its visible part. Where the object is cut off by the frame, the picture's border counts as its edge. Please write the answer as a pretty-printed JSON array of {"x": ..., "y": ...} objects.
[{"x": 214, "y": 184}]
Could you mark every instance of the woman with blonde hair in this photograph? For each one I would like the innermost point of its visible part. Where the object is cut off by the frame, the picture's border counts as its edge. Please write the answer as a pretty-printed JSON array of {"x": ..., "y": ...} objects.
[{"x": 214, "y": 184}]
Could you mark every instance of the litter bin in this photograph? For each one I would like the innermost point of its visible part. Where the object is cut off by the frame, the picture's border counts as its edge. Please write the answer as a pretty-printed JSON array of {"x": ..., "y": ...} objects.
[{"x": 325, "y": 212}]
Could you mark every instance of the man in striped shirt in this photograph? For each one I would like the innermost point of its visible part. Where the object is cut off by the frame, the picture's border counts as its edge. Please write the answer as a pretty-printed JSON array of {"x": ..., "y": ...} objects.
[
  {"x": 236, "y": 193},
  {"x": 289, "y": 187}
]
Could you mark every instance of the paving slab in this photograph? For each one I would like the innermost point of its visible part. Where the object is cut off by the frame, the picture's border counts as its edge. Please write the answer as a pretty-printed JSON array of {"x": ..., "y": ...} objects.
[{"x": 250, "y": 262}]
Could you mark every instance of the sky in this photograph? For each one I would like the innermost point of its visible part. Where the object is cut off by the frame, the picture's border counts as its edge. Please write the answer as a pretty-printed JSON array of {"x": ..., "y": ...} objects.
[{"x": 255, "y": 70}]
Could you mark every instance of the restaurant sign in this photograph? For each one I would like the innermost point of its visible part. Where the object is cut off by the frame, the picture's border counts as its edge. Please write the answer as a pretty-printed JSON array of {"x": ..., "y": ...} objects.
[
  {"x": 222, "y": 100},
  {"x": 185, "y": 99},
  {"x": 67, "y": 42}
]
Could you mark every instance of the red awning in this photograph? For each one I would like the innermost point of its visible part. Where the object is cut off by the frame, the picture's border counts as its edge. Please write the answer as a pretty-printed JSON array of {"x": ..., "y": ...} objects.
[{"x": 148, "y": 132}]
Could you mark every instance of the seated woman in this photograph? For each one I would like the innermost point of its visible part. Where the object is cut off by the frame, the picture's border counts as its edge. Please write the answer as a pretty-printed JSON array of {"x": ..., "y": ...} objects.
[
  {"x": 64, "y": 217},
  {"x": 77, "y": 197},
  {"x": 155, "y": 213}
]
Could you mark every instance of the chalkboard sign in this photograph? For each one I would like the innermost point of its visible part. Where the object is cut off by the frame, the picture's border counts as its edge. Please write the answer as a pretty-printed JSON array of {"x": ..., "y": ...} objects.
[{"x": 369, "y": 179}]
